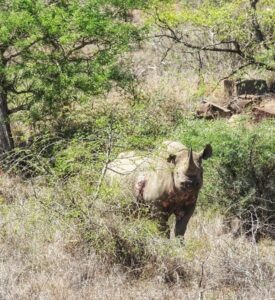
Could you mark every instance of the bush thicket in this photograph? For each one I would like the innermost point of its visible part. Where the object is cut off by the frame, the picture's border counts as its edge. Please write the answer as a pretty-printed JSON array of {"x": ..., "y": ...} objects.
[{"x": 240, "y": 177}]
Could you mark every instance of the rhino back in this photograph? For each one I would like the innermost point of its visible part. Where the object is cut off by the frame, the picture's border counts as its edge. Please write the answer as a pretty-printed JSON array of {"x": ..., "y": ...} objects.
[
  {"x": 173, "y": 147},
  {"x": 153, "y": 174}
]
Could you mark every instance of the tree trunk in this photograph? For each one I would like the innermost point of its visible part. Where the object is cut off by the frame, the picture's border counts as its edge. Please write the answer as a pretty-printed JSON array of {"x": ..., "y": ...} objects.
[{"x": 6, "y": 140}]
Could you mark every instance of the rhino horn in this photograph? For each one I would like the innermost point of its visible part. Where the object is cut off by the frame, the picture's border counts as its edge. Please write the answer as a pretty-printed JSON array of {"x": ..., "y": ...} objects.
[{"x": 191, "y": 166}]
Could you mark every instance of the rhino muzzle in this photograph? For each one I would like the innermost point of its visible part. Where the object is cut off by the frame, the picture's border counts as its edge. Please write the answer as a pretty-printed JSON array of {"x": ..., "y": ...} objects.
[{"x": 189, "y": 185}]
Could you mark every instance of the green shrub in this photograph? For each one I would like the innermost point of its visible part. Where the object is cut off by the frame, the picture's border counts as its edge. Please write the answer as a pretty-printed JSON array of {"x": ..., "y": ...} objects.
[{"x": 240, "y": 177}]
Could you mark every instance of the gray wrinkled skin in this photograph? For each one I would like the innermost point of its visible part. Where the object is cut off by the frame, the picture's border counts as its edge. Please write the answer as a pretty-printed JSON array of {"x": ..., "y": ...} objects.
[{"x": 169, "y": 181}]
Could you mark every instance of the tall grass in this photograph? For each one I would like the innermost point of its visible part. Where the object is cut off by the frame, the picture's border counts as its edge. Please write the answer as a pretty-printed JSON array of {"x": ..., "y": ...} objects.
[{"x": 50, "y": 252}]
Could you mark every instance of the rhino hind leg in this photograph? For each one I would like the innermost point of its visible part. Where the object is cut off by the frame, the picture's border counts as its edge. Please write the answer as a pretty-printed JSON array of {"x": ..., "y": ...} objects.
[{"x": 182, "y": 219}]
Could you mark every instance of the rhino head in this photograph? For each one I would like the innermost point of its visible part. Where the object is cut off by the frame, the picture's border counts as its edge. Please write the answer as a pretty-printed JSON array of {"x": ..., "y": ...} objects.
[{"x": 187, "y": 168}]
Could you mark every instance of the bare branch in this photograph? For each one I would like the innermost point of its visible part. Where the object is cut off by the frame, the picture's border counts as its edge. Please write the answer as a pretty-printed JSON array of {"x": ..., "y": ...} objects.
[
  {"x": 107, "y": 161},
  {"x": 166, "y": 53},
  {"x": 10, "y": 57},
  {"x": 255, "y": 23},
  {"x": 236, "y": 48},
  {"x": 260, "y": 64},
  {"x": 83, "y": 43},
  {"x": 21, "y": 107},
  {"x": 178, "y": 38},
  {"x": 212, "y": 48},
  {"x": 27, "y": 91}
]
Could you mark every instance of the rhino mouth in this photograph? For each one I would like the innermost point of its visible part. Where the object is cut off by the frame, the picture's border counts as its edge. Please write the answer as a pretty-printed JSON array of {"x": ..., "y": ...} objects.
[
  {"x": 188, "y": 186},
  {"x": 186, "y": 194}
]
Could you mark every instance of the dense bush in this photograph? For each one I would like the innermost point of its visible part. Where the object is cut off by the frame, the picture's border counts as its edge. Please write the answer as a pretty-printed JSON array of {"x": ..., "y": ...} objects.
[{"x": 240, "y": 177}]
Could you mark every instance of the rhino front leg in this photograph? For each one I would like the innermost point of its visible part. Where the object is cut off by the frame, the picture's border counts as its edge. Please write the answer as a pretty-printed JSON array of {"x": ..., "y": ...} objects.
[{"x": 182, "y": 219}]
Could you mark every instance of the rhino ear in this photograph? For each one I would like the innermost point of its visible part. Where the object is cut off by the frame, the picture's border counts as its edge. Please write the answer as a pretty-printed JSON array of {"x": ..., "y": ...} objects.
[
  {"x": 172, "y": 158},
  {"x": 206, "y": 152}
]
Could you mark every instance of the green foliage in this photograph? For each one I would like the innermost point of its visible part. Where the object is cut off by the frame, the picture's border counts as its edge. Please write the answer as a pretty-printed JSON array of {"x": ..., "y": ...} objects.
[
  {"x": 54, "y": 54},
  {"x": 78, "y": 142},
  {"x": 239, "y": 179},
  {"x": 86, "y": 136}
]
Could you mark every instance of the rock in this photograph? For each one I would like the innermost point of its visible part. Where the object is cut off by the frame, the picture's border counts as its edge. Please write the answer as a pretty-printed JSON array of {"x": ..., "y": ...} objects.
[
  {"x": 210, "y": 110},
  {"x": 265, "y": 110},
  {"x": 251, "y": 87},
  {"x": 238, "y": 104}
]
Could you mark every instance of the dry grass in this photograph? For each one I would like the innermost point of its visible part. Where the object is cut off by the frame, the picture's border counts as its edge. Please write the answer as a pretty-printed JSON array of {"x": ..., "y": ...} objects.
[{"x": 43, "y": 256}]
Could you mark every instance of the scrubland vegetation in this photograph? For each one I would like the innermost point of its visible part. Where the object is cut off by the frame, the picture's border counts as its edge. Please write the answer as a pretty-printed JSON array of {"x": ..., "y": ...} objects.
[{"x": 65, "y": 234}]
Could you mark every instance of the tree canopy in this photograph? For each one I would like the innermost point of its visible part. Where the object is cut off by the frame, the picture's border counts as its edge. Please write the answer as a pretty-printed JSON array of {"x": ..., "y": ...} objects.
[
  {"x": 56, "y": 52},
  {"x": 242, "y": 28}
]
